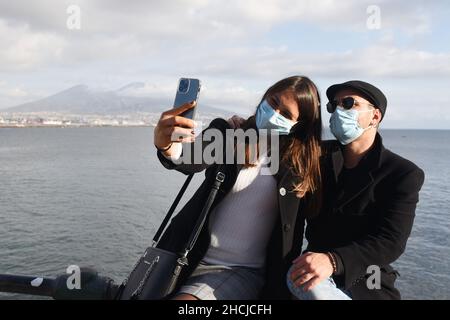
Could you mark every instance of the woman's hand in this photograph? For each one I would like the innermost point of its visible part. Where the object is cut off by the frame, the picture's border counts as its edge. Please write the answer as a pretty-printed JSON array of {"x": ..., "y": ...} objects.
[
  {"x": 236, "y": 122},
  {"x": 310, "y": 269},
  {"x": 172, "y": 128}
]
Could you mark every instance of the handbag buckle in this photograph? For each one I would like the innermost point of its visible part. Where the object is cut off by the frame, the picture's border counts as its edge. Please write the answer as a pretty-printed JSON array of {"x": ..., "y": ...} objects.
[
  {"x": 220, "y": 177},
  {"x": 183, "y": 261}
]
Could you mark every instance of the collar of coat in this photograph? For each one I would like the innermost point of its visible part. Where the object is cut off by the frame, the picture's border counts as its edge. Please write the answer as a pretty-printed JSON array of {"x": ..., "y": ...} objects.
[{"x": 371, "y": 162}]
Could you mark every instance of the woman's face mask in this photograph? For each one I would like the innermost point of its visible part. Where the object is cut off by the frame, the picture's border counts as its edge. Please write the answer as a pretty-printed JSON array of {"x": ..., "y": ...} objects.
[
  {"x": 345, "y": 126},
  {"x": 268, "y": 118}
]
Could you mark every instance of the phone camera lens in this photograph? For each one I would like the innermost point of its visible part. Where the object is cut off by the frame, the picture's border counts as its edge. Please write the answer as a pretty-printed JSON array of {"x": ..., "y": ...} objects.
[{"x": 184, "y": 86}]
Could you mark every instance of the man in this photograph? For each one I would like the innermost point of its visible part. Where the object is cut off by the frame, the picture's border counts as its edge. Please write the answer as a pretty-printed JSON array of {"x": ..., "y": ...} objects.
[{"x": 370, "y": 197}]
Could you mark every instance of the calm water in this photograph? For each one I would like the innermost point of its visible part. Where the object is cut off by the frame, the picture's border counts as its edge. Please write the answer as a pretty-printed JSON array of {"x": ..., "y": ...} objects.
[{"x": 94, "y": 196}]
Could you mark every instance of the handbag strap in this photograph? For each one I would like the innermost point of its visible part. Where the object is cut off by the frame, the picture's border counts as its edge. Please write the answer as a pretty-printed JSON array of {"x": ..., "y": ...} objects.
[
  {"x": 219, "y": 179},
  {"x": 172, "y": 209}
]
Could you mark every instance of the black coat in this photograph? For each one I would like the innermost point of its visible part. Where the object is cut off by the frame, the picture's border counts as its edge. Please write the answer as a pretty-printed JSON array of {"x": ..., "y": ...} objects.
[
  {"x": 369, "y": 222},
  {"x": 284, "y": 245}
]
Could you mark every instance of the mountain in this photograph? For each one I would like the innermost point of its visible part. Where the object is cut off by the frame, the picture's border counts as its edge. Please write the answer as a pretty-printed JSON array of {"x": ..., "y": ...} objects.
[
  {"x": 131, "y": 86},
  {"x": 81, "y": 99}
]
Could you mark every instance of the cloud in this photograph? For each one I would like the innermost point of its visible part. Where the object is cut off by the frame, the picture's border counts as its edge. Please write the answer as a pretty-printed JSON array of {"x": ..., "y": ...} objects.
[
  {"x": 378, "y": 60},
  {"x": 237, "y": 99},
  {"x": 233, "y": 46},
  {"x": 429, "y": 98},
  {"x": 36, "y": 31},
  {"x": 11, "y": 95},
  {"x": 23, "y": 49},
  {"x": 117, "y": 15},
  {"x": 252, "y": 15}
]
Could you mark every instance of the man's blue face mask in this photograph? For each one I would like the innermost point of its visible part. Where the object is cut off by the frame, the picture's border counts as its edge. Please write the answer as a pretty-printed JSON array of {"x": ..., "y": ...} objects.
[
  {"x": 267, "y": 118},
  {"x": 345, "y": 126}
]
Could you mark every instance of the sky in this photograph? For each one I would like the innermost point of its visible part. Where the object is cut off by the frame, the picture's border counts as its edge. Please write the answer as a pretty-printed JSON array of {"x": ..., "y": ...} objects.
[{"x": 237, "y": 48}]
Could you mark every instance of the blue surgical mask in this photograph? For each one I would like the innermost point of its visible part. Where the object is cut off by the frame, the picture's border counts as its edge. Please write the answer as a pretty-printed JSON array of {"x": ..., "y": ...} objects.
[
  {"x": 267, "y": 118},
  {"x": 345, "y": 126}
]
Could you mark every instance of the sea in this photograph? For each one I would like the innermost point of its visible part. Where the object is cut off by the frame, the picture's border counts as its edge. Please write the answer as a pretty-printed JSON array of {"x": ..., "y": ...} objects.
[{"x": 93, "y": 197}]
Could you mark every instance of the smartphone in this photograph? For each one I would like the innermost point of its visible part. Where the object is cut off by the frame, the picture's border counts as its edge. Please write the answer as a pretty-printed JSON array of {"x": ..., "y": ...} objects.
[{"x": 188, "y": 90}]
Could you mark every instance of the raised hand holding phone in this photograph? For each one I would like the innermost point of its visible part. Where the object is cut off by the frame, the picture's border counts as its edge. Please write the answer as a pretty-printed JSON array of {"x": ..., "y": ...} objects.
[
  {"x": 176, "y": 125},
  {"x": 172, "y": 127}
]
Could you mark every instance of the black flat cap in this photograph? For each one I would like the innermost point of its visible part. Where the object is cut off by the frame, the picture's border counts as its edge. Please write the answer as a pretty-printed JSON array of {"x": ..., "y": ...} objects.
[{"x": 368, "y": 91}]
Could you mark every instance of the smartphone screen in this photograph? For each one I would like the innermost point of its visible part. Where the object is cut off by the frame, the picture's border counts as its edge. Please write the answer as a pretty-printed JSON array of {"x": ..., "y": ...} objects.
[{"x": 188, "y": 90}]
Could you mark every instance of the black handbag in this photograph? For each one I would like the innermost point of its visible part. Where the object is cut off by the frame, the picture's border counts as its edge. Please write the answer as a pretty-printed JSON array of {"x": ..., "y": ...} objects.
[{"x": 155, "y": 274}]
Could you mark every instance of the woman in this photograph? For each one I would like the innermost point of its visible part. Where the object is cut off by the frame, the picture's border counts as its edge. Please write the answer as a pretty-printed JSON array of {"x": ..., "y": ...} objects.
[{"x": 256, "y": 223}]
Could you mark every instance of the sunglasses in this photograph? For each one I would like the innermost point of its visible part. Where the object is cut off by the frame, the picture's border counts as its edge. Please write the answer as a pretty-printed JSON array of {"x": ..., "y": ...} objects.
[{"x": 346, "y": 103}]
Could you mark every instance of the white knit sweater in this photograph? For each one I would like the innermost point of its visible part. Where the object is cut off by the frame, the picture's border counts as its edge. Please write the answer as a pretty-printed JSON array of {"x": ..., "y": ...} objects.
[{"x": 241, "y": 224}]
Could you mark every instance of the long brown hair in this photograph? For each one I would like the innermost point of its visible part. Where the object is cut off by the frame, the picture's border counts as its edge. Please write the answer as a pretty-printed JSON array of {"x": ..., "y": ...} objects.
[{"x": 300, "y": 151}]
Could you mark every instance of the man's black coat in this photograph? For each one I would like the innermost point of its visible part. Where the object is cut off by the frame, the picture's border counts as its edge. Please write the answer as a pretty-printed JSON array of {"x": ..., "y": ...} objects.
[{"x": 367, "y": 220}]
